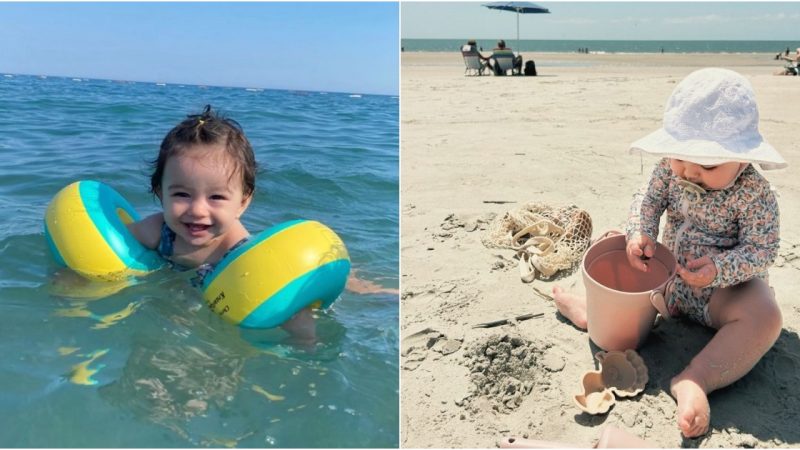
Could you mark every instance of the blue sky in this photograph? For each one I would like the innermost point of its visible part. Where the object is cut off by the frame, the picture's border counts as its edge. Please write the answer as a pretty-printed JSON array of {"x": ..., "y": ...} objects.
[
  {"x": 607, "y": 21},
  {"x": 338, "y": 47}
]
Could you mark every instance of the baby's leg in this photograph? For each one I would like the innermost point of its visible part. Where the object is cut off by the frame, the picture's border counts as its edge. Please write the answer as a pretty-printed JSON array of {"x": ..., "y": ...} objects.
[
  {"x": 571, "y": 306},
  {"x": 302, "y": 326},
  {"x": 749, "y": 322}
]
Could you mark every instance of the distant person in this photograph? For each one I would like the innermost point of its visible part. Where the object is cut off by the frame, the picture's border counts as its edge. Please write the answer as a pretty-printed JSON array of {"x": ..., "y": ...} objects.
[
  {"x": 471, "y": 48},
  {"x": 787, "y": 51},
  {"x": 517, "y": 59},
  {"x": 793, "y": 68},
  {"x": 470, "y": 51}
]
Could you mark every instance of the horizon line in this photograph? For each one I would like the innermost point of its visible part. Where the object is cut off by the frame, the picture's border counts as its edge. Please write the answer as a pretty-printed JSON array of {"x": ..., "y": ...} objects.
[
  {"x": 193, "y": 84},
  {"x": 626, "y": 40}
]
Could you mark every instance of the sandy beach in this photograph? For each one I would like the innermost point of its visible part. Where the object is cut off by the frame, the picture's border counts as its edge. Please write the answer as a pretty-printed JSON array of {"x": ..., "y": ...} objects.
[{"x": 473, "y": 148}]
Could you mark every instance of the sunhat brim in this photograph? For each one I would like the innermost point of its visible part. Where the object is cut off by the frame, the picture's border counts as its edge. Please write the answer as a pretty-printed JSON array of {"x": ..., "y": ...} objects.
[{"x": 661, "y": 143}]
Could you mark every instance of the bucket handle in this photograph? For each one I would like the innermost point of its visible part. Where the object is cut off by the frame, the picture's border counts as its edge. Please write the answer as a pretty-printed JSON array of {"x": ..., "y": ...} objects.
[{"x": 658, "y": 298}]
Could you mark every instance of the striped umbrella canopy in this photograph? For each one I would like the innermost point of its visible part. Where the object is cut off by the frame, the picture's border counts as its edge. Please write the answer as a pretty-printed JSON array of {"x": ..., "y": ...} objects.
[{"x": 519, "y": 8}]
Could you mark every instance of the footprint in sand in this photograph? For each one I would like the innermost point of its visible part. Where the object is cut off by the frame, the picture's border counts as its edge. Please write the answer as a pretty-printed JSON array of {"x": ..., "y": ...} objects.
[
  {"x": 468, "y": 223},
  {"x": 416, "y": 346}
]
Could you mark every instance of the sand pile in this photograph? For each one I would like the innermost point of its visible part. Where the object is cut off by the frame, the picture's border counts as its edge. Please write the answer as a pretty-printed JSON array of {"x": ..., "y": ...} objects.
[{"x": 502, "y": 370}]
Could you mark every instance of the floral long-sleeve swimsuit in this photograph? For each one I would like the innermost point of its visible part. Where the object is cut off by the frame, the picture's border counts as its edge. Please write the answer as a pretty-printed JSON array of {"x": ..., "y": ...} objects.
[{"x": 738, "y": 227}]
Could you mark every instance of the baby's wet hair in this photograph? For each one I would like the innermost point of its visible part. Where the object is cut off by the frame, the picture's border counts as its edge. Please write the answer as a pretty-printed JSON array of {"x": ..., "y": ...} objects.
[{"x": 208, "y": 128}]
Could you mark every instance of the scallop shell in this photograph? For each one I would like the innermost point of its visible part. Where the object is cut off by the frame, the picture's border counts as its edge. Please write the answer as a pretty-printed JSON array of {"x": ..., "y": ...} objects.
[
  {"x": 596, "y": 398},
  {"x": 623, "y": 372}
]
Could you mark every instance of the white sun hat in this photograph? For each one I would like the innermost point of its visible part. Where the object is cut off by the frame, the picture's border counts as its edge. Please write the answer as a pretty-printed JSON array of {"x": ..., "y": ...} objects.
[{"x": 711, "y": 118}]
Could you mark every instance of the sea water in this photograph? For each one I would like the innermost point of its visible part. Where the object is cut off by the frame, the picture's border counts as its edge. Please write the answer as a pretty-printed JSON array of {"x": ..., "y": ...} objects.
[
  {"x": 89, "y": 365},
  {"x": 604, "y": 46}
]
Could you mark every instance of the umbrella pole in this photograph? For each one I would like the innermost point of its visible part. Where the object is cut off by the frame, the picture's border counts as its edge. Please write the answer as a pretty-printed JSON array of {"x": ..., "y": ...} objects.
[{"x": 518, "y": 49}]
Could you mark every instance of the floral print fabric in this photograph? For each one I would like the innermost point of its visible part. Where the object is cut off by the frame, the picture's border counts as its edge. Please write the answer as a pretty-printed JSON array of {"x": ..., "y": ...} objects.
[{"x": 738, "y": 227}]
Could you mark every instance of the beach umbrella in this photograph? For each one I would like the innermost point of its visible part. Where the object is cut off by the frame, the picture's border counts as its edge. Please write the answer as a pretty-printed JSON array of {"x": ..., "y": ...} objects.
[{"x": 519, "y": 8}]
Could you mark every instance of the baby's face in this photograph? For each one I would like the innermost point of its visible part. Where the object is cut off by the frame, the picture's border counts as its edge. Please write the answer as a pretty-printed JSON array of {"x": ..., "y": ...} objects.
[
  {"x": 201, "y": 200},
  {"x": 708, "y": 177}
]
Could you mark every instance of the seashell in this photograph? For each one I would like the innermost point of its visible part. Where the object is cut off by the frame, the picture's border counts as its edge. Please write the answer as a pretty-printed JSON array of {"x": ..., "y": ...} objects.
[
  {"x": 623, "y": 372},
  {"x": 596, "y": 397}
]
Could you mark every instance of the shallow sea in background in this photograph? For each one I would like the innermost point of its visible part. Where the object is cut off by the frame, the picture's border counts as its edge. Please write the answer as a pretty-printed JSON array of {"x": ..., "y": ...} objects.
[
  {"x": 150, "y": 365},
  {"x": 603, "y": 46}
]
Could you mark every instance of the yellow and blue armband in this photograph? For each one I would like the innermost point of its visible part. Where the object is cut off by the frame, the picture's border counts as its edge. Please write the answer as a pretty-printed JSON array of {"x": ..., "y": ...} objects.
[
  {"x": 291, "y": 266},
  {"x": 85, "y": 228}
]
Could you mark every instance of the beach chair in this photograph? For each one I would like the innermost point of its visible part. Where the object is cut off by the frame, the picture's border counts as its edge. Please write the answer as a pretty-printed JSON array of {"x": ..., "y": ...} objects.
[
  {"x": 472, "y": 60},
  {"x": 504, "y": 61}
]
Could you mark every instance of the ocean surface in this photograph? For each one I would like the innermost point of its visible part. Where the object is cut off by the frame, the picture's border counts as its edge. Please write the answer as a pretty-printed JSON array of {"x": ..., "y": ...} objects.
[
  {"x": 87, "y": 365},
  {"x": 537, "y": 45}
]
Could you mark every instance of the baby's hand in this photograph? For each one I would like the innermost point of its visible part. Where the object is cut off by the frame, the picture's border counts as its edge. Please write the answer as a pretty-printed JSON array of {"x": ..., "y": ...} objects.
[
  {"x": 698, "y": 272},
  {"x": 639, "y": 249}
]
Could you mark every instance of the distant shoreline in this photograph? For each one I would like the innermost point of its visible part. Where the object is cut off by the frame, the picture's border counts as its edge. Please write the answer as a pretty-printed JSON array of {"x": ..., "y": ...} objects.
[
  {"x": 602, "y": 52},
  {"x": 609, "y": 46},
  {"x": 760, "y": 62}
]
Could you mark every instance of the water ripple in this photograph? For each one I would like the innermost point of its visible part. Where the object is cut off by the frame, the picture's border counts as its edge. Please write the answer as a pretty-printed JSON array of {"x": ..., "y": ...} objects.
[{"x": 183, "y": 375}]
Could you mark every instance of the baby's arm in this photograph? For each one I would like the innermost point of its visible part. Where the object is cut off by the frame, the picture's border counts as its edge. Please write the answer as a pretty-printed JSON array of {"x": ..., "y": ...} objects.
[
  {"x": 148, "y": 230},
  {"x": 361, "y": 286},
  {"x": 649, "y": 203},
  {"x": 759, "y": 238}
]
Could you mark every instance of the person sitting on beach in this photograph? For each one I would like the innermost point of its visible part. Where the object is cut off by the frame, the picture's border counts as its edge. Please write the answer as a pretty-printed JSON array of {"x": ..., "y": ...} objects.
[
  {"x": 204, "y": 176},
  {"x": 793, "y": 68},
  {"x": 722, "y": 226},
  {"x": 471, "y": 49},
  {"x": 502, "y": 49}
]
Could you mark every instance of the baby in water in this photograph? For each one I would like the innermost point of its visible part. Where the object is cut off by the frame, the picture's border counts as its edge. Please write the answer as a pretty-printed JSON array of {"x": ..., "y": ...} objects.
[{"x": 722, "y": 226}]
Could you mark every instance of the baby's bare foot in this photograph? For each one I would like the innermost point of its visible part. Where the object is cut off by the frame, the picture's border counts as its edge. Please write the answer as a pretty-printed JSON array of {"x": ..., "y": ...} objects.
[
  {"x": 571, "y": 306},
  {"x": 694, "y": 413}
]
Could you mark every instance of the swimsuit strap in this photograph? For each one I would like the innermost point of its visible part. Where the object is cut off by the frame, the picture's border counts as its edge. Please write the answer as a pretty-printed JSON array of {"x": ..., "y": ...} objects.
[
  {"x": 167, "y": 238},
  {"x": 204, "y": 269}
]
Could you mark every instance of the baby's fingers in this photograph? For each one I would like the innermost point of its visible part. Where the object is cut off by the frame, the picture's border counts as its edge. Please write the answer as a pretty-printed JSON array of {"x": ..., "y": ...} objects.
[
  {"x": 649, "y": 249},
  {"x": 687, "y": 276},
  {"x": 635, "y": 251},
  {"x": 636, "y": 261},
  {"x": 698, "y": 263},
  {"x": 699, "y": 278}
]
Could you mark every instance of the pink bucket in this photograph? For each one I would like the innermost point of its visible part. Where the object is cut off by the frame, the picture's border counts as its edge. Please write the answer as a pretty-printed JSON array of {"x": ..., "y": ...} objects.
[{"x": 621, "y": 301}]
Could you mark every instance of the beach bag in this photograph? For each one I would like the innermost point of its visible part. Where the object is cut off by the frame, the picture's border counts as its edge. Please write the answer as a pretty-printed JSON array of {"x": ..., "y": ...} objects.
[
  {"x": 547, "y": 238},
  {"x": 530, "y": 68}
]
